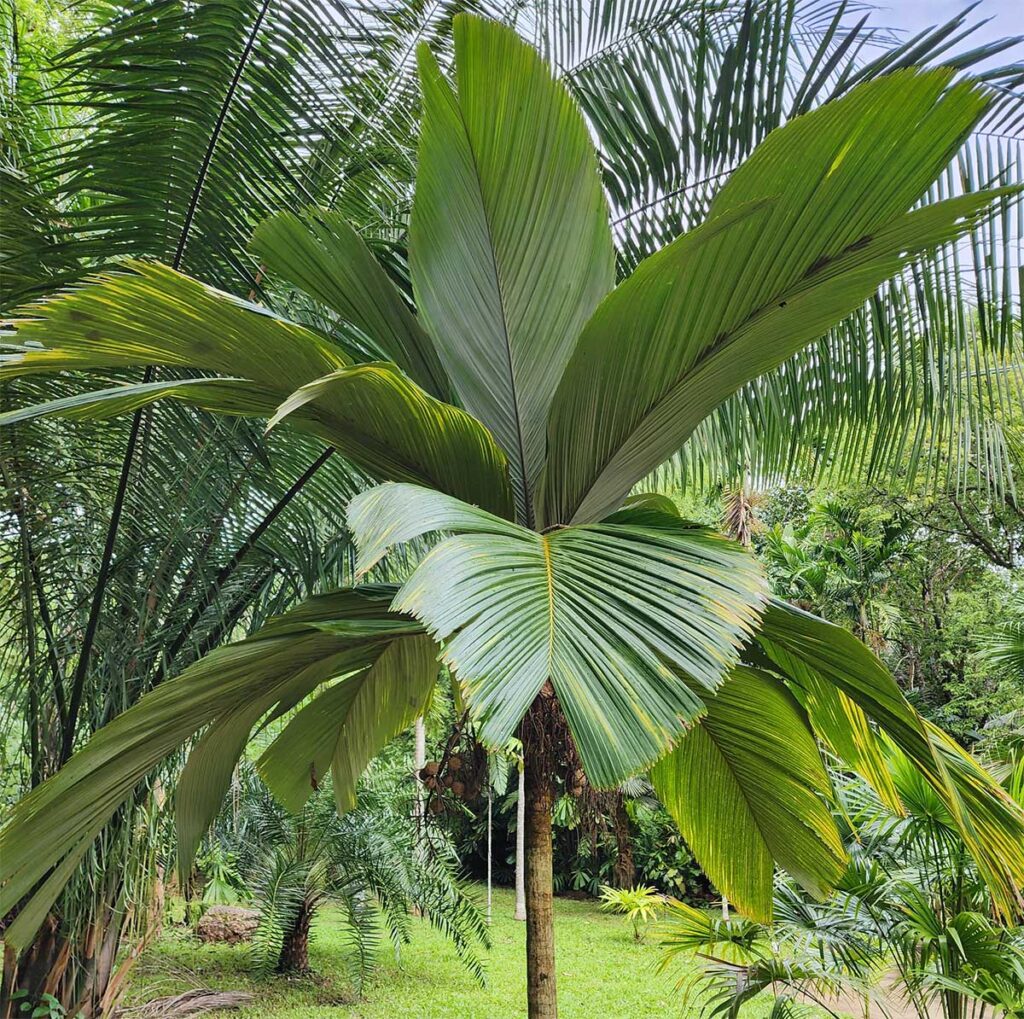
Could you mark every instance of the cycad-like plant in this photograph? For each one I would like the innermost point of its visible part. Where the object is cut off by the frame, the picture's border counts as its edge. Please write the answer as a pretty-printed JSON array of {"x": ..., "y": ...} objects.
[
  {"x": 513, "y": 414},
  {"x": 367, "y": 864}
]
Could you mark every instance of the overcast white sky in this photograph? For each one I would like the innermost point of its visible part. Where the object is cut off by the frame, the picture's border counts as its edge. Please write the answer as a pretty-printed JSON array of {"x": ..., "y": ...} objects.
[{"x": 1006, "y": 18}]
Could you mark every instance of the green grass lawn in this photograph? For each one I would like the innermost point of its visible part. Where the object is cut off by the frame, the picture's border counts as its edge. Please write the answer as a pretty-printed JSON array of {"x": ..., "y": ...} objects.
[{"x": 602, "y": 973}]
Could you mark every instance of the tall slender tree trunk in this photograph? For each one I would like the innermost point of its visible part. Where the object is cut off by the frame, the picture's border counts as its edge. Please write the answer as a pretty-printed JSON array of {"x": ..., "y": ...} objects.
[
  {"x": 521, "y": 848},
  {"x": 540, "y": 928},
  {"x": 624, "y": 871},
  {"x": 419, "y": 759},
  {"x": 490, "y": 846}
]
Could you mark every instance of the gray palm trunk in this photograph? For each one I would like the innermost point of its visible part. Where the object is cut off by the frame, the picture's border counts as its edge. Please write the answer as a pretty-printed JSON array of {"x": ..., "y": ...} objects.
[{"x": 521, "y": 848}]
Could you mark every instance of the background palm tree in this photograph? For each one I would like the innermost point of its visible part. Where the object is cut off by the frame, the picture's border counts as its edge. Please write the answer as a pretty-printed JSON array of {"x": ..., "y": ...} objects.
[
  {"x": 366, "y": 862},
  {"x": 580, "y": 404}
]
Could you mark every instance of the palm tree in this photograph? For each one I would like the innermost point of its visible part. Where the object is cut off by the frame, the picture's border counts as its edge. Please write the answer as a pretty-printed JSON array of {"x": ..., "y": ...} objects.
[
  {"x": 514, "y": 413},
  {"x": 840, "y": 563},
  {"x": 366, "y": 862}
]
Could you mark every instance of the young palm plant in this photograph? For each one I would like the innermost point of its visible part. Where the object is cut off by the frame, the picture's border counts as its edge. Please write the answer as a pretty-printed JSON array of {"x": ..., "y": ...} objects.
[
  {"x": 365, "y": 862},
  {"x": 513, "y": 415}
]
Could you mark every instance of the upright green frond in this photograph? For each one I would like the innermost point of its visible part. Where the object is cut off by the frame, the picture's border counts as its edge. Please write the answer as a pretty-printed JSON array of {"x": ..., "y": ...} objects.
[
  {"x": 321, "y": 254},
  {"x": 510, "y": 248},
  {"x": 682, "y": 334}
]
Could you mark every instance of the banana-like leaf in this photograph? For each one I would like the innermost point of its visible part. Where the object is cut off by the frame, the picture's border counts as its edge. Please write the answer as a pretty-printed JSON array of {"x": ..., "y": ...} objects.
[
  {"x": 748, "y": 789},
  {"x": 720, "y": 306},
  {"x": 375, "y": 416},
  {"x": 272, "y": 670},
  {"x": 321, "y": 254},
  {"x": 345, "y": 726},
  {"x": 612, "y": 614},
  {"x": 990, "y": 822},
  {"x": 153, "y": 315},
  {"x": 510, "y": 246}
]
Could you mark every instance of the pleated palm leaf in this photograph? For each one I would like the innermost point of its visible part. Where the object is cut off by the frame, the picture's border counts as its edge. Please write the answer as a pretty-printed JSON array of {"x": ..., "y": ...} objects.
[{"x": 513, "y": 415}]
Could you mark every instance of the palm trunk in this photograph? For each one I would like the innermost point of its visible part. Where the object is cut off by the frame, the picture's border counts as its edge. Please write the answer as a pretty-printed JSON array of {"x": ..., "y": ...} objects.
[
  {"x": 80, "y": 974},
  {"x": 624, "y": 871},
  {"x": 521, "y": 849},
  {"x": 490, "y": 849},
  {"x": 418, "y": 761},
  {"x": 540, "y": 929},
  {"x": 294, "y": 956}
]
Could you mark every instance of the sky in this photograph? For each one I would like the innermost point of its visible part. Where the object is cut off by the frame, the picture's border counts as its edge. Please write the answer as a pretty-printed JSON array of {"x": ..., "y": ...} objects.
[{"x": 1006, "y": 18}]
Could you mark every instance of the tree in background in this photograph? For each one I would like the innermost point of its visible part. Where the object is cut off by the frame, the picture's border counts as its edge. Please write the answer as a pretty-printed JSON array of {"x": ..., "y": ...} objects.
[
  {"x": 922, "y": 593},
  {"x": 911, "y": 905}
]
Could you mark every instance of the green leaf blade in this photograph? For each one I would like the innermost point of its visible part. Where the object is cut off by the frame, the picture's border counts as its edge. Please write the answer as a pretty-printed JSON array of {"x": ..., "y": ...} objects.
[
  {"x": 747, "y": 788},
  {"x": 510, "y": 243},
  {"x": 738, "y": 295}
]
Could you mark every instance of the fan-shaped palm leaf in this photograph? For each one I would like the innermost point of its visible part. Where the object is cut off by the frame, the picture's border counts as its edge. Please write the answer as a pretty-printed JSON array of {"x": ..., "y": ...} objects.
[{"x": 610, "y": 613}]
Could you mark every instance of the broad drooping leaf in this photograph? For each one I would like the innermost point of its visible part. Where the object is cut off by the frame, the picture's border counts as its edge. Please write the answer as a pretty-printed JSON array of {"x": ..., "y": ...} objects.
[
  {"x": 345, "y": 726},
  {"x": 510, "y": 247},
  {"x": 991, "y": 824},
  {"x": 843, "y": 726},
  {"x": 613, "y": 614},
  {"x": 322, "y": 255},
  {"x": 339, "y": 634},
  {"x": 800, "y": 235},
  {"x": 747, "y": 788},
  {"x": 153, "y": 315},
  {"x": 375, "y": 416},
  {"x": 409, "y": 435}
]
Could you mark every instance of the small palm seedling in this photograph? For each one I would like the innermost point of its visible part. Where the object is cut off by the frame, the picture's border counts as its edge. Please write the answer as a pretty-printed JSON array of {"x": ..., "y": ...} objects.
[{"x": 640, "y": 905}]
